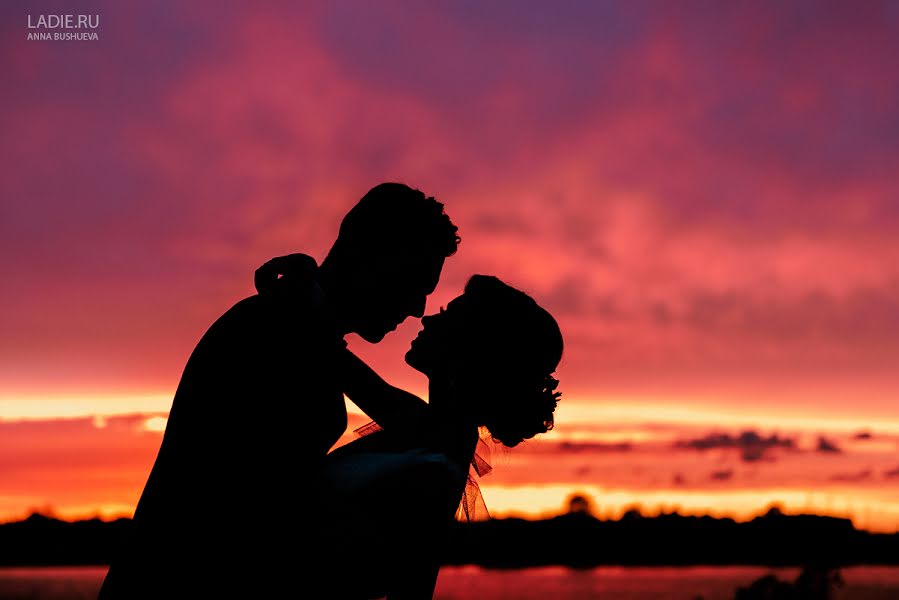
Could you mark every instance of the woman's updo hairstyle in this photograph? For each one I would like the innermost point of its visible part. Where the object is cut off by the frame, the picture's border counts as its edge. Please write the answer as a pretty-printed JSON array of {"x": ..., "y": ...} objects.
[{"x": 519, "y": 346}]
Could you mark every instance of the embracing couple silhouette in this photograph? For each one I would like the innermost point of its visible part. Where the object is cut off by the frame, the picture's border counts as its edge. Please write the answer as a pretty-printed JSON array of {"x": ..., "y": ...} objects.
[{"x": 246, "y": 498}]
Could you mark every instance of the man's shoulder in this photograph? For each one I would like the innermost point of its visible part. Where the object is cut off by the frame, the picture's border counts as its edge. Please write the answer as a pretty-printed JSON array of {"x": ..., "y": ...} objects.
[
  {"x": 262, "y": 315},
  {"x": 257, "y": 330}
]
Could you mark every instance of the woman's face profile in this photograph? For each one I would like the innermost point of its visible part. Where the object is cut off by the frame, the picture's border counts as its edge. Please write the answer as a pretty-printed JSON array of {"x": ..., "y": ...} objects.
[{"x": 440, "y": 343}]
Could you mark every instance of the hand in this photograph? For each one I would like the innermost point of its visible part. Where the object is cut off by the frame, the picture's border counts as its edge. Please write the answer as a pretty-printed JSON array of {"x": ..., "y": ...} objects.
[{"x": 291, "y": 266}]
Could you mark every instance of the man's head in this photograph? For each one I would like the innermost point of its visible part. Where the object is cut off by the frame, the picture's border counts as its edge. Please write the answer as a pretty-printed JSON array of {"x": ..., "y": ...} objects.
[{"x": 387, "y": 258}]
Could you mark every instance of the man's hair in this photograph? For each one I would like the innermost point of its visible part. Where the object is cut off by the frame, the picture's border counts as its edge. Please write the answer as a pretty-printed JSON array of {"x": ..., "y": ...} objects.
[{"x": 393, "y": 218}]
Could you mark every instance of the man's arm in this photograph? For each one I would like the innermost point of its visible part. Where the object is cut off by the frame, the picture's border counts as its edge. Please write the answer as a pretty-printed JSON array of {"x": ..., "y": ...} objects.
[{"x": 389, "y": 406}]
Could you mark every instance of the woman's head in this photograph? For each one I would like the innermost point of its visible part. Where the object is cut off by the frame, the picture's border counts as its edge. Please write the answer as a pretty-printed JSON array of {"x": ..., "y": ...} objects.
[{"x": 499, "y": 348}]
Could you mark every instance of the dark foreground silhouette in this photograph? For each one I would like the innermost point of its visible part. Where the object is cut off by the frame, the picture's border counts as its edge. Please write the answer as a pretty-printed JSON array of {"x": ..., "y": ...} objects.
[
  {"x": 815, "y": 582},
  {"x": 261, "y": 402},
  {"x": 575, "y": 540},
  {"x": 400, "y": 486}
]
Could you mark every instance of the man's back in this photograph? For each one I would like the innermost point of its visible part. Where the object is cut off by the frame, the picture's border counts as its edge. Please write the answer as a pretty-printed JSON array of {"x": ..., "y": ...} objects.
[{"x": 259, "y": 404}]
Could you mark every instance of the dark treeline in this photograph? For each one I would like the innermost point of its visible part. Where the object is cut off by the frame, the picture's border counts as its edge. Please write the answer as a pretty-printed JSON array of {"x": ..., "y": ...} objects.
[
  {"x": 576, "y": 539},
  {"x": 40, "y": 540},
  {"x": 580, "y": 540}
]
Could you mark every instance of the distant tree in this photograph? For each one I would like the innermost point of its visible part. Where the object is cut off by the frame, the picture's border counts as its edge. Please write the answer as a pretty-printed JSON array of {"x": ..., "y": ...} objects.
[
  {"x": 580, "y": 504},
  {"x": 633, "y": 512}
]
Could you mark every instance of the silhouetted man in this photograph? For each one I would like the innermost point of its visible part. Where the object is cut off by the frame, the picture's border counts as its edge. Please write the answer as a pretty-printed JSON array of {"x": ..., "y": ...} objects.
[{"x": 260, "y": 403}]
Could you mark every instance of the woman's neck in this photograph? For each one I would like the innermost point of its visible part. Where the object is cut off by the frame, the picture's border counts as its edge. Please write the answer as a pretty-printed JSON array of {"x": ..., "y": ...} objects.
[{"x": 451, "y": 424}]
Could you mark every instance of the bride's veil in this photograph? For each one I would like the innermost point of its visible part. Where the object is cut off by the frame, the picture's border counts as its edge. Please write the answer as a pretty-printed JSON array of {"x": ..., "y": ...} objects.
[{"x": 472, "y": 506}]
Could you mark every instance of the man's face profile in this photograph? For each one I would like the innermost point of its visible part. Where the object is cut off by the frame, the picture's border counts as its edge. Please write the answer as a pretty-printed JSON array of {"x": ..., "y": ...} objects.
[{"x": 396, "y": 288}]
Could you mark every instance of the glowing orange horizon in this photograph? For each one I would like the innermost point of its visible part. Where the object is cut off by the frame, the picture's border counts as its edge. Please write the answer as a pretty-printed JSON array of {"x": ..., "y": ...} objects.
[{"x": 612, "y": 454}]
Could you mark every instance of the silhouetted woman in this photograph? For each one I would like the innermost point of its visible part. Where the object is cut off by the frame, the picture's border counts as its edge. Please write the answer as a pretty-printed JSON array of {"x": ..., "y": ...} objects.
[{"x": 489, "y": 358}]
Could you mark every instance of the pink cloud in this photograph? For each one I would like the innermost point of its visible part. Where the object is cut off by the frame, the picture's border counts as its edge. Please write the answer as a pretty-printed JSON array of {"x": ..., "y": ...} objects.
[{"x": 705, "y": 201}]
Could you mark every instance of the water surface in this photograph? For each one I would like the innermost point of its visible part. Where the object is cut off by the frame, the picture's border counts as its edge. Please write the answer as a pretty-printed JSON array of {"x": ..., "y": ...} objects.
[{"x": 558, "y": 583}]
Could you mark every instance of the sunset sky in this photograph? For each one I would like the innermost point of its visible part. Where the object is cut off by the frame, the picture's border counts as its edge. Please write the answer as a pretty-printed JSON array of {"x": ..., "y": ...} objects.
[{"x": 704, "y": 195}]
